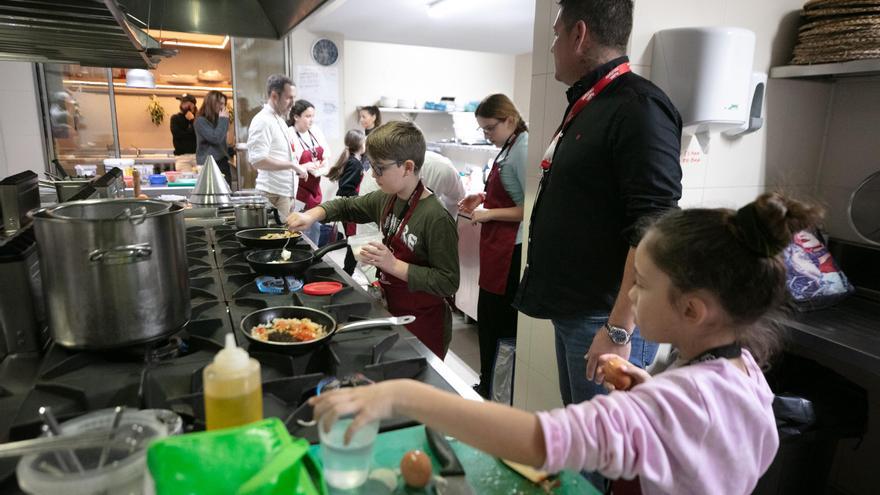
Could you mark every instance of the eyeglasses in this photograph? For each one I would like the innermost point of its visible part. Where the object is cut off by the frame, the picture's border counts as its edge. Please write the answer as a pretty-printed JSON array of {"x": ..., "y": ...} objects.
[
  {"x": 379, "y": 169},
  {"x": 489, "y": 128}
]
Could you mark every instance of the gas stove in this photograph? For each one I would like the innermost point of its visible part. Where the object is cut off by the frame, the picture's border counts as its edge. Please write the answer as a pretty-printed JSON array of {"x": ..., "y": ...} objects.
[{"x": 168, "y": 373}]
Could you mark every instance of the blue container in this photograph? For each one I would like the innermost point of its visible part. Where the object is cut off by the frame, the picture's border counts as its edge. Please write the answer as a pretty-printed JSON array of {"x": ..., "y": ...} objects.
[{"x": 158, "y": 180}]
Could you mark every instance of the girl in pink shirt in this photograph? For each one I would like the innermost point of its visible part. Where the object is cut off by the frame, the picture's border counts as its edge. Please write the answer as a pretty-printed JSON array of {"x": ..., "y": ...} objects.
[{"x": 705, "y": 278}]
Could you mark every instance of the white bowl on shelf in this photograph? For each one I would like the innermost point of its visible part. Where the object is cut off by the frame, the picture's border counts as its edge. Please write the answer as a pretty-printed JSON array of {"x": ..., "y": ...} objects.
[
  {"x": 386, "y": 101},
  {"x": 406, "y": 103}
]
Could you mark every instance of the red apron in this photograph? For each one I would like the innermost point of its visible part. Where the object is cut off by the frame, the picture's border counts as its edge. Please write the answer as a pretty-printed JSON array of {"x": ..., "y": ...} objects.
[
  {"x": 309, "y": 190},
  {"x": 429, "y": 310},
  {"x": 497, "y": 239}
]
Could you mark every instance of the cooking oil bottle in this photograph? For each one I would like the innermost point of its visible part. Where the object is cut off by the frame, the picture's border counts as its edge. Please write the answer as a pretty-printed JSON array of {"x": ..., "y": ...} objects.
[{"x": 233, "y": 392}]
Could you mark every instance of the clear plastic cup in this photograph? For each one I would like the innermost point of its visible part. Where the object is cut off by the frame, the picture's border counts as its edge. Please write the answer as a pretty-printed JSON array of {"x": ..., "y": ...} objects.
[
  {"x": 346, "y": 467},
  {"x": 357, "y": 242}
]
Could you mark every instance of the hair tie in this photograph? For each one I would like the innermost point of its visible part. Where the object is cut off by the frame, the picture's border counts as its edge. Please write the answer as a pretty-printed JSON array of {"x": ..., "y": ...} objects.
[{"x": 753, "y": 233}]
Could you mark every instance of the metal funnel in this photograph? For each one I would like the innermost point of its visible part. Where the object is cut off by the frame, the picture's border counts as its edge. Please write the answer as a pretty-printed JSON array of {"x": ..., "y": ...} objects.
[{"x": 211, "y": 189}]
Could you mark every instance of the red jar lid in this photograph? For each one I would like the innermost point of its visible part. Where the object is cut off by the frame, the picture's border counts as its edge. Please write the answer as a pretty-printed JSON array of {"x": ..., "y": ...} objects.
[{"x": 322, "y": 288}]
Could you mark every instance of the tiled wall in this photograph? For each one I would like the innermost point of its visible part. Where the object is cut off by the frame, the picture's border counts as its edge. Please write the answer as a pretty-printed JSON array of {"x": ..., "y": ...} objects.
[
  {"x": 21, "y": 144},
  {"x": 786, "y": 152}
]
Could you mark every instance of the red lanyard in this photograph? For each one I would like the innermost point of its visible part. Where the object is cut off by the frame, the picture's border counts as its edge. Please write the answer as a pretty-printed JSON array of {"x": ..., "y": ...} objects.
[
  {"x": 579, "y": 105},
  {"x": 392, "y": 231}
]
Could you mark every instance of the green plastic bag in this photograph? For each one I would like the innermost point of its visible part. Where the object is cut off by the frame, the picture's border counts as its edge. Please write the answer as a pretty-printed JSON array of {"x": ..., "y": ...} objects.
[{"x": 256, "y": 459}]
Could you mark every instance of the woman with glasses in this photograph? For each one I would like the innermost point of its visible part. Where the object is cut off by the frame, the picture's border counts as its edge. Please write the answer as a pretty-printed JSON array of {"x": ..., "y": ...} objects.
[
  {"x": 211, "y": 127},
  {"x": 501, "y": 227}
]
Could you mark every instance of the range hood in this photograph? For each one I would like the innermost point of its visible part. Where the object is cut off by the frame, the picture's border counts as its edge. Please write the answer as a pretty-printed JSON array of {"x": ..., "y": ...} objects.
[
  {"x": 241, "y": 18},
  {"x": 94, "y": 33}
]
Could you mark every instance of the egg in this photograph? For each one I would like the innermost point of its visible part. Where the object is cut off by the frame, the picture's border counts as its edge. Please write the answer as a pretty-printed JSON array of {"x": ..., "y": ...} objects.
[
  {"x": 415, "y": 467},
  {"x": 614, "y": 374}
]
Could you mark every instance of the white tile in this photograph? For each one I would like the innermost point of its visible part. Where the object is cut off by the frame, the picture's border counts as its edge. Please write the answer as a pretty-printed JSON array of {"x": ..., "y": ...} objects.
[
  {"x": 3, "y": 170},
  {"x": 543, "y": 34},
  {"x": 17, "y": 76},
  {"x": 691, "y": 198},
  {"x": 554, "y": 9},
  {"x": 736, "y": 162},
  {"x": 730, "y": 197},
  {"x": 796, "y": 113},
  {"x": 853, "y": 146},
  {"x": 524, "y": 330},
  {"x": 774, "y": 24},
  {"x": 543, "y": 393},
  {"x": 555, "y": 104},
  {"x": 520, "y": 382},
  {"x": 542, "y": 358},
  {"x": 642, "y": 70},
  {"x": 654, "y": 15},
  {"x": 536, "y": 114},
  {"x": 694, "y": 163}
]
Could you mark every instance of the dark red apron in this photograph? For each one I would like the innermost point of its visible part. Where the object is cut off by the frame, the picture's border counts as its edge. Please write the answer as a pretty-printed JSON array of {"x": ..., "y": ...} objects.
[
  {"x": 429, "y": 310},
  {"x": 497, "y": 239},
  {"x": 309, "y": 190}
]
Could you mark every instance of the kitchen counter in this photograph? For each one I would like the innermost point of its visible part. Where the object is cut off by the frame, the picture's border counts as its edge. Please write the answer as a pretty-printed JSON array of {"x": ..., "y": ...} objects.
[
  {"x": 848, "y": 332},
  {"x": 484, "y": 473}
]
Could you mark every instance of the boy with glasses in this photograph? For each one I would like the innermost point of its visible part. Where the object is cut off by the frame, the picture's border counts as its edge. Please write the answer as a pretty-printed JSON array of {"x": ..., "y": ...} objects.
[{"x": 418, "y": 258}]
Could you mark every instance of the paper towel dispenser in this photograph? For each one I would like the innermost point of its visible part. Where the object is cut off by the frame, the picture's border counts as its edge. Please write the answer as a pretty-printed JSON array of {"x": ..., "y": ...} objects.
[{"x": 707, "y": 73}]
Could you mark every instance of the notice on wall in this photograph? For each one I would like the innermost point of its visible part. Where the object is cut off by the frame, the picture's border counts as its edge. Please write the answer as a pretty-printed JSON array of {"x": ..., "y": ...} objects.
[
  {"x": 320, "y": 86},
  {"x": 692, "y": 154}
]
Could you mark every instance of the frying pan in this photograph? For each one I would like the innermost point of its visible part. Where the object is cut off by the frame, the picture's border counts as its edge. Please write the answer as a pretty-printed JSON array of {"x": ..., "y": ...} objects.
[
  {"x": 266, "y": 315},
  {"x": 251, "y": 238},
  {"x": 300, "y": 260}
]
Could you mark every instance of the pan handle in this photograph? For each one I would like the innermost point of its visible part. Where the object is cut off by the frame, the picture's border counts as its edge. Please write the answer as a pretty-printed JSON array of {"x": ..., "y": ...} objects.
[
  {"x": 333, "y": 246},
  {"x": 376, "y": 322}
]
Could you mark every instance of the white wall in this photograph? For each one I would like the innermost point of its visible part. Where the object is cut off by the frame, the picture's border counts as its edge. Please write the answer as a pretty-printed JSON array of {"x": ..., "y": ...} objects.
[
  {"x": 786, "y": 152},
  {"x": 522, "y": 84},
  {"x": 424, "y": 74},
  {"x": 21, "y": 142}
]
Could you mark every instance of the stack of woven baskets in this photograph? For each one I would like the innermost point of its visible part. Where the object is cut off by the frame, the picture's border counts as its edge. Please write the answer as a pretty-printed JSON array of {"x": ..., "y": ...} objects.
[{"x": 837, "y": 31}]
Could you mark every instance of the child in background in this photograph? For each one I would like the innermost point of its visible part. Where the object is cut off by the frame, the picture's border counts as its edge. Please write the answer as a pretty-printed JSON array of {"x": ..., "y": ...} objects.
[
  {"x": 348, "y": 169},
  {"x": 704, "y": 279},
  {"x": 418, "y": 258}
]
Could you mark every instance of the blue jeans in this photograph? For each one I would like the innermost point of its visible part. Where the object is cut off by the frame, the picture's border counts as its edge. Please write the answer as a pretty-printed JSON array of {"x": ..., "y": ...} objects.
[{"x": 573, "y": 339}]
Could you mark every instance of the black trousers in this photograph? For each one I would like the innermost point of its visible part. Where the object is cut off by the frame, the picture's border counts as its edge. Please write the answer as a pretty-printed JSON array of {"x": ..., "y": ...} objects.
[
  {"x": 223, "y": 165},
  {"x": 496, "y": 318}
]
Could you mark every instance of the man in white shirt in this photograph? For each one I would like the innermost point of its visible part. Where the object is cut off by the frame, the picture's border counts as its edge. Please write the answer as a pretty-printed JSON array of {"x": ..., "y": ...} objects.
[
  {"x": 441, "y": 177},
  {"x": 269, "y": 146},
  {"x": 438, "y": 174}
]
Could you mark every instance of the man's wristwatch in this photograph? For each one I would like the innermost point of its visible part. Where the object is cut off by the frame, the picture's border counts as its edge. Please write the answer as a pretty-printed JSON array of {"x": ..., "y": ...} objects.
[{"x": 618, "y": 335}]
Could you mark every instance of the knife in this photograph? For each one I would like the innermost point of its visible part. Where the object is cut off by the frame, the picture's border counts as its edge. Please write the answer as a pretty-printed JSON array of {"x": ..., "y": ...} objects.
[{"x": 450, "y": 467}]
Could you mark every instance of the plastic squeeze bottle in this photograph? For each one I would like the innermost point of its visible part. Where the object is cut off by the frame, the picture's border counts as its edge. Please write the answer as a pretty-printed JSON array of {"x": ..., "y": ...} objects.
[{"x": 233, "y": 391}]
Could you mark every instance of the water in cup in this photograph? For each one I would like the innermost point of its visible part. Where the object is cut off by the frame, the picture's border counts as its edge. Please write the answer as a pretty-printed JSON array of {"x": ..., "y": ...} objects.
[{"x": 347, "y": 466}]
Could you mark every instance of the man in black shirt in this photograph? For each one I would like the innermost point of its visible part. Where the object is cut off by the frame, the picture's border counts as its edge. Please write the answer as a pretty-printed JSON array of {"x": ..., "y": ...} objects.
[
  {"x": 615, "y": 165},
  {"x": 182, "y": 132}
]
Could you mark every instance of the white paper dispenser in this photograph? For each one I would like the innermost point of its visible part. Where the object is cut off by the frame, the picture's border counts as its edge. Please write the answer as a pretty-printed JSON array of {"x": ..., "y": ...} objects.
[{"x": 707, "y": 73}]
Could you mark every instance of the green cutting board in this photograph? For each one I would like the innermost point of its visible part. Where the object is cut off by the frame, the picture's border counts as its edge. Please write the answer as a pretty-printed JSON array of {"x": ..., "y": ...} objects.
[{"x": 486, "y": 474}]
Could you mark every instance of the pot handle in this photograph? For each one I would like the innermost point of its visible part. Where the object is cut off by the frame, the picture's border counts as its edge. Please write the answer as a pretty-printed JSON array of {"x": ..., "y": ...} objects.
[
  {"x": 121, "y": 255},
  {"x": 376, "y": 322},
  {"x": 135, "y": 218}
]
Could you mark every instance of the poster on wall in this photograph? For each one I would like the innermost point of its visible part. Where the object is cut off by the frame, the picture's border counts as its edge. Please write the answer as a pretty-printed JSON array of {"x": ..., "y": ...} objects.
[{"x": 320, "y": 86}]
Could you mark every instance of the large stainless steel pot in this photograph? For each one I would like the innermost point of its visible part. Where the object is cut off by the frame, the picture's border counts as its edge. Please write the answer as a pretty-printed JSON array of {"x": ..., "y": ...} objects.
[{"x": 114, "y": 271}]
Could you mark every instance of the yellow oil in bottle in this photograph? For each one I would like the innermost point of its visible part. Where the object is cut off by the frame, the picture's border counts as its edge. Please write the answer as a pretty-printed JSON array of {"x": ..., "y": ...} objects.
[
  {"x": 224, "y": 411},
  {"x": 233, "y": 392}
]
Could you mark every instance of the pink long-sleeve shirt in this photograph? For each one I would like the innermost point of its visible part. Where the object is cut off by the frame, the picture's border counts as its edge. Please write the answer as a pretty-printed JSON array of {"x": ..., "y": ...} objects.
[{"x": 703, "y": 428}]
